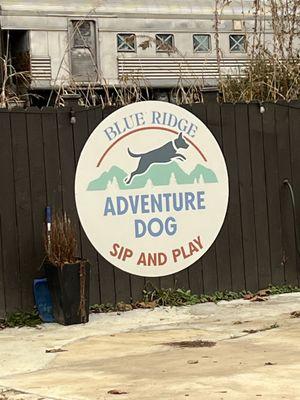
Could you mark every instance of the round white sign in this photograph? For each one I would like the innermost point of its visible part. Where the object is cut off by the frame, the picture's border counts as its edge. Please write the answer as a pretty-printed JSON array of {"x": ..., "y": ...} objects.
[{"x": 151, "y": 188}]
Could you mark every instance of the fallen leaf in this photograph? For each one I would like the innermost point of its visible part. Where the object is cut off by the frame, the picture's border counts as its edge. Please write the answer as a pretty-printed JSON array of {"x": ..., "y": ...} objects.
[
  {"x": 55, "y": 350},
  {"x": 295, "y": 314},
  {"x": 258, "y": 298},
  {"x": 146, "y": 304},
  {"x": 116, "y": 391},
  {"x": 270, "y": 363},
  {"x": 264, "y": 292},
  {"x": 124, "y": 306},
  {"x": 261, "y": 295},
  {"x": 192, "y": 361}
]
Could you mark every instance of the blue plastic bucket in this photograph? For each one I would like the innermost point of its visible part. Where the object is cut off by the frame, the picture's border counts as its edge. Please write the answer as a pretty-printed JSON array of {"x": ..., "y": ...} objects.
[{"x": 43, "y": 299}]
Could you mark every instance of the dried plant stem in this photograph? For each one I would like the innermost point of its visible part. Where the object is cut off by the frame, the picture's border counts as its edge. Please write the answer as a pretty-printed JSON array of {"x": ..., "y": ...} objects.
[{"x": 61, "y": 244}]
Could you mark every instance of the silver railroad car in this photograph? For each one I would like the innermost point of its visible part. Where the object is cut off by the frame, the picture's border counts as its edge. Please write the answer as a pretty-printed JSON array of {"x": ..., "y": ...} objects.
[{"x": 155, "y": 42}]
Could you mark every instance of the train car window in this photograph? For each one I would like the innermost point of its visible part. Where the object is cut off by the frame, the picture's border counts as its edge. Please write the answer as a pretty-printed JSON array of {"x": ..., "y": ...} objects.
[
  {"x": 83, "y": 33},
  {"x": 164, "y": 42},
  {"x": 237, "y": 43},
  {"x": 83, "y": 56},
  {"x": 201, "y": 43},
  {"x": 126, "y": 42}
]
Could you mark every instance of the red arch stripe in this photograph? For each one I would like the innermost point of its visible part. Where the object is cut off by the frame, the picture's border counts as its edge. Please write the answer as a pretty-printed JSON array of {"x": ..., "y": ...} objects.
[{"x": 143, "y": 129}]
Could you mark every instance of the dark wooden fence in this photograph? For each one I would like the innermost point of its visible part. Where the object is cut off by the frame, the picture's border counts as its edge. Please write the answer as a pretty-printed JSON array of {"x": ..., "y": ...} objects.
[{"x": 39, "y": 150}]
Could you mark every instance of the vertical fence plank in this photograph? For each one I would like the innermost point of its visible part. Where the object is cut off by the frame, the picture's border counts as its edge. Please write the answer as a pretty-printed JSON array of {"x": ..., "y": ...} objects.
[
  {"x": 37, "y": 181},
  {"x": 273, "y": 194},
  {"x": 246, "y": 196},
  {"x": 209, "y": 260},
  {"x": 98, "y": 115},
  {"x": 67, "y": 164},
  {"x": 52, "y": 160},
  {"x": 122, "y": 279},
  {"x": 85, "y": 123},
  {"x": 165, "y": 282},
  {"x": 11, "y": 283},
  {"x": 294, "y": 118},
  {"x": 234, "y": 207},
  {"x": 106, "y": 277},
  {"x": 284, "y": 168},
  {"x": 2, "y": 275},
  {"x": 181, "y": 278},
  {"x": 222, "y": 241},
  {"x": 23, "y": 206},
  {"x": 137, "y": 284},
  {"x": 259, "y": 196},
  {"x": 196, "y": 279}
]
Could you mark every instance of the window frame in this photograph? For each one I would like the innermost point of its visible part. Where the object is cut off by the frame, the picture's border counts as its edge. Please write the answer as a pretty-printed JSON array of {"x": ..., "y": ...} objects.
[
  {"x": 133, "y": 50},
  {"x": 171, "y": 49},
  {"x": 244, "y": 43},
  {"x": 84, "y": 45},
  {"x": 209, "y": 42}
]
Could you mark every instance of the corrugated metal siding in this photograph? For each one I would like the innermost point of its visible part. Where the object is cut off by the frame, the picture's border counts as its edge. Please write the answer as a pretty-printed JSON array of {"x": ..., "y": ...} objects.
[
  {"x": 174, "y": 68},
  {"x": 41, "y": 68}
]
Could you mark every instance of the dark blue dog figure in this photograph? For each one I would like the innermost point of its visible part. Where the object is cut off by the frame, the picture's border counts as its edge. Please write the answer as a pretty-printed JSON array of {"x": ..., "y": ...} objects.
[{"x": 162, "y": 155}]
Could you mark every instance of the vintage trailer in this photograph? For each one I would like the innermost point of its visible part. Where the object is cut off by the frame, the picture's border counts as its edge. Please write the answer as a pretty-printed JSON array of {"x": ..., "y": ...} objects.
[{"x": 108, "y": 42}]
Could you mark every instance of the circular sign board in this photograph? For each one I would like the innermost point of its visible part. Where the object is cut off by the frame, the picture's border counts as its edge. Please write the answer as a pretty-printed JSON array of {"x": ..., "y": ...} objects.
[{"x": 151, "y": 188}]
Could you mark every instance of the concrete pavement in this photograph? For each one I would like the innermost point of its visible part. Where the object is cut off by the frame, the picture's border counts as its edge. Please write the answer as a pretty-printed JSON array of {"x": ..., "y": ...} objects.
[{"x": 256, "y": 355}]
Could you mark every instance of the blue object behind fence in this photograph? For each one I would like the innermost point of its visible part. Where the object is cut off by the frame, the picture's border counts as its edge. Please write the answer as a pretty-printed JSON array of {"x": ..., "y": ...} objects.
[{"x": 43, "y": 299}]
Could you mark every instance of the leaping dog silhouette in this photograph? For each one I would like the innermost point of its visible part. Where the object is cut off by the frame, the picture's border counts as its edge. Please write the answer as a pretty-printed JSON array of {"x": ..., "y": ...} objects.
[{"x": 161, "y": 155}]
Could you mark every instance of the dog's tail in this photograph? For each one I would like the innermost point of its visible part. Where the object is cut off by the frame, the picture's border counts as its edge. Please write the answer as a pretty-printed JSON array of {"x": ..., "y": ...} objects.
[{"x": 133, "y": 154}]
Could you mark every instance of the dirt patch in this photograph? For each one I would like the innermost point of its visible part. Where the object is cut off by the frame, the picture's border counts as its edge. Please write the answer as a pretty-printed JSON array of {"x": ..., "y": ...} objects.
[{"x": 192, "y": 343}]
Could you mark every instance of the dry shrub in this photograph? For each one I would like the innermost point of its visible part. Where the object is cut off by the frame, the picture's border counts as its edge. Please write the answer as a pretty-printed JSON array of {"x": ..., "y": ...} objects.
[
  {"x": 187, "y": 91},
  {"x": 9, "y": 92},
  {"x": 266, "y": 79},
  {"x": 131, "y": 90},
  {"x": 60, "y": 243},
  {"x": 274, "y": 68}
]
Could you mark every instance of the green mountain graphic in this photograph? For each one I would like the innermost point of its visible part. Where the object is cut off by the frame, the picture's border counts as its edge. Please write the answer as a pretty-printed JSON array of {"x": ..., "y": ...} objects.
[{"x": 158, "y": 174}]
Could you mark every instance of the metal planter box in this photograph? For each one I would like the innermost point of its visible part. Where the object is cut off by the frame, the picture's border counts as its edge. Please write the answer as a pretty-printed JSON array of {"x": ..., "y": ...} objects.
[{"x": 69, "y": 288}]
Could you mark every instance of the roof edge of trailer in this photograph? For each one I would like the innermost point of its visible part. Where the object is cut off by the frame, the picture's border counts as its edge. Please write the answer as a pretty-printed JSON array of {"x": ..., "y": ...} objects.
[{"x": 118, "y": 8}]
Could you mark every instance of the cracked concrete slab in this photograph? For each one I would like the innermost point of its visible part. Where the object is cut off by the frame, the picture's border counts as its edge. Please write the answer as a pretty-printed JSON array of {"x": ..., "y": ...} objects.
[{"x": 130, "y": 353}]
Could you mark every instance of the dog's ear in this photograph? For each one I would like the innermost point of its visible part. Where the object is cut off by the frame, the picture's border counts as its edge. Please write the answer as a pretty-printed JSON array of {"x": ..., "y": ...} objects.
[{"x": 180, "y": 135}]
